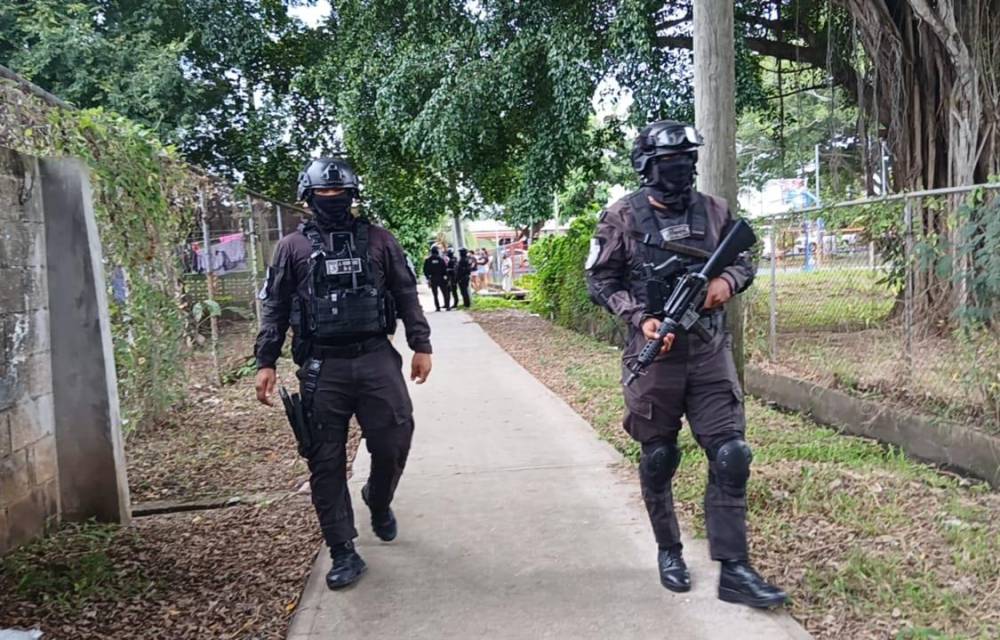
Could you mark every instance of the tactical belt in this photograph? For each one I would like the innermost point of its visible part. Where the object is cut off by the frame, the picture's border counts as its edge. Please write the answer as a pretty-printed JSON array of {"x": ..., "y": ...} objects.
[{"x": 352, "y": 350}]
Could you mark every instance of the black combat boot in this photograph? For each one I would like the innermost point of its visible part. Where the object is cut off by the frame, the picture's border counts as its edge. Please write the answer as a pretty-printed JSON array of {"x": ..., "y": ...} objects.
[
  {"x": 348, "y": 567},
  {"x": 739, "y": 583},
  {"x": 673, "y": 570},
  {"x": 383, "y": 520}
]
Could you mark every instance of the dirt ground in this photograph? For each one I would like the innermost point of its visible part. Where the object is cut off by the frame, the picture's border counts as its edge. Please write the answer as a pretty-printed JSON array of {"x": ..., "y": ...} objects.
[
  {"x": 233, "y": 572},
  {"x": 870, "y": 544}
]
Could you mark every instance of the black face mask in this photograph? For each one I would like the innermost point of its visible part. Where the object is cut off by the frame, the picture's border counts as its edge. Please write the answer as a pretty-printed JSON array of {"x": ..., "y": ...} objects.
[
  {"x": 332, "y": 211},
  {"x": 672, "y": 179}
]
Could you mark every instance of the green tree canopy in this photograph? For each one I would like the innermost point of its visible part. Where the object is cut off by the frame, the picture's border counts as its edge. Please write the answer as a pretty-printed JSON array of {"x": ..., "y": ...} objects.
[
  {"x": 217, "y": 78},
  {"x": 490, "y": 102}
]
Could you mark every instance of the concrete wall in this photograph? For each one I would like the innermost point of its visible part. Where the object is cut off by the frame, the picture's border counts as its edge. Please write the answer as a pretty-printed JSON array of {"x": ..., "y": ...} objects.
[
  {"x": 92, "y": 481},
  {"x": 61, "y": 450},
  {"x": 973, "y": 452},
  {"x": 29, "y": 484}
]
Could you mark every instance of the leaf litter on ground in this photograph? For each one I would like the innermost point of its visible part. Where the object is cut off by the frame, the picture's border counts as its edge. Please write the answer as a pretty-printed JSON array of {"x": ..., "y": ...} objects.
[
  {"x": 870, "y": 544},
  {"x": 234, "y": 572}
]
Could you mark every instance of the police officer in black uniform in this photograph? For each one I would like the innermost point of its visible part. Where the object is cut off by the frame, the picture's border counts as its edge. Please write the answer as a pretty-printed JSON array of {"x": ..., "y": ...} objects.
[
  {"x": 463, "y": 274},
  {"x": 435, "y": 270},
  {"x": 451, "y": 269},
  {"x": 340, "y": 283},
  {"x": 641, "y": 245}
]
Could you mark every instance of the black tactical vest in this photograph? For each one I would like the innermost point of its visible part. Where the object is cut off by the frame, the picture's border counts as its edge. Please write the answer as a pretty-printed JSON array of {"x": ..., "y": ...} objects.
[
  {"x": 664, "y": 251},
  {"x": 344, "y": 300}
]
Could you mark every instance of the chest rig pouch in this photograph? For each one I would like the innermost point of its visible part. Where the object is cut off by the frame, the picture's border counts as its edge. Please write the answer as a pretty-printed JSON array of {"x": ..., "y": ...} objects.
[
  {"x": 663, "y": 257},
  {"x": 343, "y": 297}
]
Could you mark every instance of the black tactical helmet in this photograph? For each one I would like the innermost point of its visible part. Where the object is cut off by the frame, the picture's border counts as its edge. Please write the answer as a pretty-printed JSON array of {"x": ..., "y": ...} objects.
[
  {"x": 326, "y": 173},
  {"x": 664, "y": 138}
]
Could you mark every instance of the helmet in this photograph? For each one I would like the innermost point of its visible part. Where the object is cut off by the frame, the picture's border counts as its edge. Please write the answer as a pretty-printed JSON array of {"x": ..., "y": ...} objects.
[
  {"x": 326, "y": 173},
  {"x": 664, "y": 138}
]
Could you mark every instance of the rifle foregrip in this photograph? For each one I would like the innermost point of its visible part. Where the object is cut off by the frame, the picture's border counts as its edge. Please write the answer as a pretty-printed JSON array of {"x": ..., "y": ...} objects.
[{"x": 649, "y": 352}]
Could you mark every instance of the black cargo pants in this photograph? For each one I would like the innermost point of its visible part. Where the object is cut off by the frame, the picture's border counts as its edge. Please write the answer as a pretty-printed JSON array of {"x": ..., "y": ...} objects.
[
  {"x": 442, "y": 286},
  {"x": 369, "y": 385},
  {"x": 696, "y": 380},
  {"x": 463, "y": 287}
]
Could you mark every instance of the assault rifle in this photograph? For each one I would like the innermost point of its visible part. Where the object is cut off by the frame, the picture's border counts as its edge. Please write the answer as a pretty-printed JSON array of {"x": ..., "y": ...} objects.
[{"x": 681, "y": 311}]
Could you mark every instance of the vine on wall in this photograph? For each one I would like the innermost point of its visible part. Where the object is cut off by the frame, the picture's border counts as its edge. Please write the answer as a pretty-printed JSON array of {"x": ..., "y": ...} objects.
[{"x": 145, "y": 202}]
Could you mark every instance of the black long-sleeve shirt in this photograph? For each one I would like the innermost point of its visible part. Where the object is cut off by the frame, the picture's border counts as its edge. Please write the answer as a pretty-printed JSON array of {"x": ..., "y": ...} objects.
[{"x": 288, "y": 276}]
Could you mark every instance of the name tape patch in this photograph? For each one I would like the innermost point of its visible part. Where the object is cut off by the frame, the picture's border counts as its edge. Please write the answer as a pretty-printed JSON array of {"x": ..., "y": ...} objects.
[
  {"x": 341, "y": 266},
  {"x": 676, "y": 232}
]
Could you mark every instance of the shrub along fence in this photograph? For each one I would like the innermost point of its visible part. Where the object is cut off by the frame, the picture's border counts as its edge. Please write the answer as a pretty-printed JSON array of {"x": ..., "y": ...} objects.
[{"x": 560, "y": 290}]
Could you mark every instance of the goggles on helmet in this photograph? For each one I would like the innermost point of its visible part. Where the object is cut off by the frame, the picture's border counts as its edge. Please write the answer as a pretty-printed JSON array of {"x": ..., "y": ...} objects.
[{"x": 676, "y": 137}]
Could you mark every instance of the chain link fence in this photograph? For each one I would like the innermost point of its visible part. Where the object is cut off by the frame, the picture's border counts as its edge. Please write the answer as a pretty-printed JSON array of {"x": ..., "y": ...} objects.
[
  {"x": 225, "y": 259},
  {"x": 892, "y": 297}
]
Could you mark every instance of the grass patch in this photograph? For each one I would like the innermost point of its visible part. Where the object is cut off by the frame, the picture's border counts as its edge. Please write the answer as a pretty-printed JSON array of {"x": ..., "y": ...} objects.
[
  {"x": 74, "y": 567},
  {"x": 497, "y": 303},
  {"x": 835, "y": 299}
]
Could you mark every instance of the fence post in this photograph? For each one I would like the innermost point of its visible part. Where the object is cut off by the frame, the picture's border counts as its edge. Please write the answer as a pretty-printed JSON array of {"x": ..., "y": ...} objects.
[
  {"x": 908, "y": 290},
  {"x": 206, "y": 251},
  {"x": 252, "y": 238},
  {"x": 281, "y": 226},
  {"x": 871, "y": 256},
  {"x": 773, "y": 300}
]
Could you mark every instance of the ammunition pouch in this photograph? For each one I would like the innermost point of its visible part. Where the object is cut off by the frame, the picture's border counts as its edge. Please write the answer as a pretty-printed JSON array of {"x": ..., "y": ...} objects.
[{"x": 348, "y": 312}]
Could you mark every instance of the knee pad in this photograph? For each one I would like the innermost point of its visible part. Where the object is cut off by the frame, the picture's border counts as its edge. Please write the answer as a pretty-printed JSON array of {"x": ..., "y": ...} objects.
[
  {"x": 730, "y": 466},
  {"x": 659, "y": 463}
]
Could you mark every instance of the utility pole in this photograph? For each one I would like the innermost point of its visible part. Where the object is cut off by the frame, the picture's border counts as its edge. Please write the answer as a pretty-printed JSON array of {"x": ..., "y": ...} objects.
[
  {"x": 715, "y": 117},
  {"x": 456, "y": 223}
]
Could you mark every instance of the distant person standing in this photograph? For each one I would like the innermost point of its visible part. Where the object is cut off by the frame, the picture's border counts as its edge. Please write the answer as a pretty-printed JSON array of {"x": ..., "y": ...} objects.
[
  {"x": 507, "y": 270},
  {"x": 482, "y": 269},
  {"x": 436, "y": 272},
  {"x": 463, "y": 272}
]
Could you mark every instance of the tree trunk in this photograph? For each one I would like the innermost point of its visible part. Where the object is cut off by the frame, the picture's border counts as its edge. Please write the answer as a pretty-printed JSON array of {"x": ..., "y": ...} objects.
[{"x": 936, "y": 68}]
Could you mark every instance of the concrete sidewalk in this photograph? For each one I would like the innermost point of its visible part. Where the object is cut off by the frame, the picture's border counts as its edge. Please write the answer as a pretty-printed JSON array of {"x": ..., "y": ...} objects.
[{"x": 515, "y": 522}]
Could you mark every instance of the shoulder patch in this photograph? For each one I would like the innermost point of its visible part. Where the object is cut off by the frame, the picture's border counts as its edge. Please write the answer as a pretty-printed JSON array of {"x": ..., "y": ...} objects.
[
  {"x": 265, "y": 291},
  {"x": 595, "y": 253}
]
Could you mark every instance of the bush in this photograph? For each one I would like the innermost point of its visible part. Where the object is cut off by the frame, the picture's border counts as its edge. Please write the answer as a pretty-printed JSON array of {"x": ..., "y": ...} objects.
[{"x": 560, "y": 290}]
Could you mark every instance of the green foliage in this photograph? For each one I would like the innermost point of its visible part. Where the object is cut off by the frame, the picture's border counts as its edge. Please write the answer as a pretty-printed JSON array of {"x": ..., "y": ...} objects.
[
  {"x": 560, "y": 291},
  {"x": 979, "y": 248},
  {"x": 144, "y": 201},
  {"x": 205, "y": 309},
  {"x": 218, "y": 78},
  {"x": 247, "y": 368},
  {"x": 455, "y": 108},
  {"x": 497, "y": 303},
  {"x": 74, "y": 567}
]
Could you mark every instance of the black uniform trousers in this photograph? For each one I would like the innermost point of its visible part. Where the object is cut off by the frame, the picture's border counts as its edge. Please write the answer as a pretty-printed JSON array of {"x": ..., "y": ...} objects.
[
  {"x": 463, "y": 287},
  {"x": 371, "y": 387},
  {"x": 696, "y": 380},
  {"x": 453, "y": 288},
  {"x": 441, "y": 285}
]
